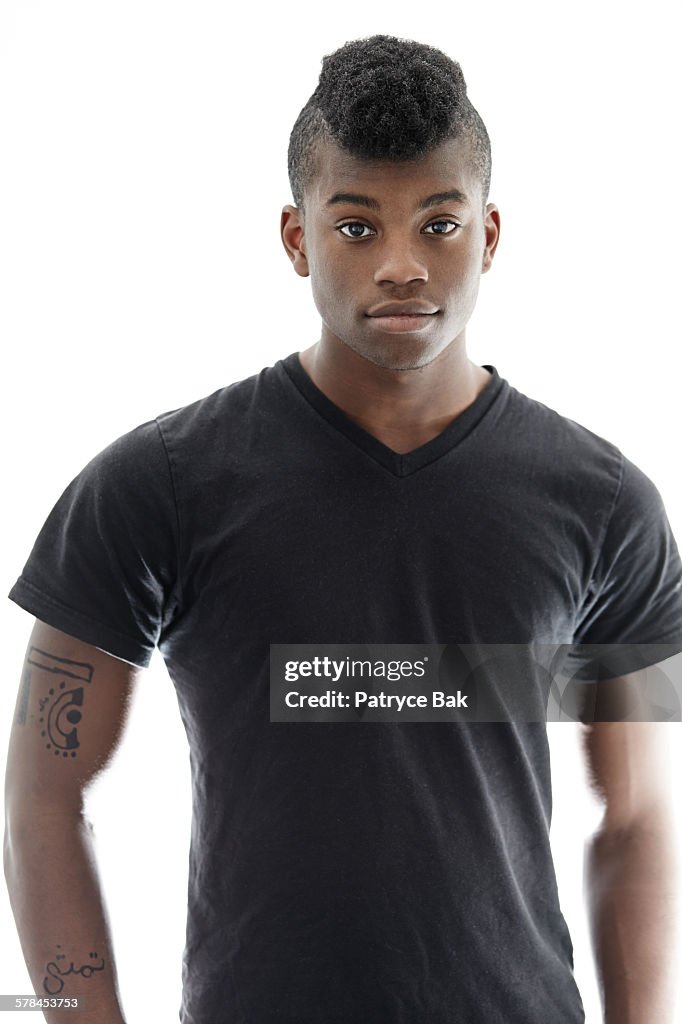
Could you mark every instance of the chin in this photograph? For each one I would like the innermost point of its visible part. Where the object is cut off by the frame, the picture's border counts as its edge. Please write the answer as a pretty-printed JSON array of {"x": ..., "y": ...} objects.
[{"x": 398, "y": 353}]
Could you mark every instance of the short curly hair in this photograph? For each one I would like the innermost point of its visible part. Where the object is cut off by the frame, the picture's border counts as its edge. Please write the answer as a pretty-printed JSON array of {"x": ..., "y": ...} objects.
[{"x": 382, "y": 97}]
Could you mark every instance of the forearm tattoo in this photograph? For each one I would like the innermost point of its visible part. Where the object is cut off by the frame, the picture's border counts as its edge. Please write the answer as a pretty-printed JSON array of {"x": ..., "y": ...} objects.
[
  {"x": 58, "y": 968},
  {"x": 63, "y": 684}
]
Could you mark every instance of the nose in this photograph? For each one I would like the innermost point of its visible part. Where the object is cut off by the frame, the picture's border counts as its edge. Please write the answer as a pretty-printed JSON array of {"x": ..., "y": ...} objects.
[{"x": 399, "y": 263}]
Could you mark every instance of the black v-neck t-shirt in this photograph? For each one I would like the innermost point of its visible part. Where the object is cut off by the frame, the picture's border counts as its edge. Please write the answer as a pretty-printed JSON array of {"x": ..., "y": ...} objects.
[
  {"x": 347, "y": 872},
  {"x": 394, "y": 462}
]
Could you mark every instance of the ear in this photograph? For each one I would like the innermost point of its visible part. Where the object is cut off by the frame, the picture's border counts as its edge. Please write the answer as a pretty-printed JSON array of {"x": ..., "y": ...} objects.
[
  {"x": 492, "y": 236},
  {"x": 293, "y": 239}
]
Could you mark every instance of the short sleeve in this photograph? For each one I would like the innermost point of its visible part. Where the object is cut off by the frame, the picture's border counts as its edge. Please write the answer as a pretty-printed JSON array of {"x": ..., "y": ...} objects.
[
  {"x": 104, "y": 565},
  {"x": 632, "y": 612}
]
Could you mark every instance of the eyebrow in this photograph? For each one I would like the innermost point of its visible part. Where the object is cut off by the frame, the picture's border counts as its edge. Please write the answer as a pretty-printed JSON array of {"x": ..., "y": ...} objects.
[{"x": 451, "y": 196}]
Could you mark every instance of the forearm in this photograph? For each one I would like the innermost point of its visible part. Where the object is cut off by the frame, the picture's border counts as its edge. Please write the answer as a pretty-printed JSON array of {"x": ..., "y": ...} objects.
[
  {"x": 633, "y": 904},
  {"x": 56, "y": 899}
]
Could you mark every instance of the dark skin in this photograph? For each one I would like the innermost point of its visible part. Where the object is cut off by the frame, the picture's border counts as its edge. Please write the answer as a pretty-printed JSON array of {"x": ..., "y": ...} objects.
[{"x": 404, "y": 387}]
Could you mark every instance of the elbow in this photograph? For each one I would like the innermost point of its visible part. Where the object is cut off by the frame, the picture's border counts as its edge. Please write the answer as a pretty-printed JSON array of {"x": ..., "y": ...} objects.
[
  {"x": 31, "y": 826},
  {"x": 620, "y": 822},
  {"x": 640, "y": 849}
]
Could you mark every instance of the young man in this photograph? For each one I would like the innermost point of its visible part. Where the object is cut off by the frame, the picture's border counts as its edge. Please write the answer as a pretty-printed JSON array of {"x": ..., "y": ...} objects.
[{"x": 377, "y": 488}]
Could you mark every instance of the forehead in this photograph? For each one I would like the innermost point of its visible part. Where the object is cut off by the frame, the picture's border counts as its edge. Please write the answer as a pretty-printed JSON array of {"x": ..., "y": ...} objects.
[{"x": 446, "y": 167}]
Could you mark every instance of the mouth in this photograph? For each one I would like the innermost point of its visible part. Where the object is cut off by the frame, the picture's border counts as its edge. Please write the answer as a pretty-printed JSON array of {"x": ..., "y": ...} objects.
[
  {"x": 414, "y": 307},
  {"x": 402, "y": 323}
]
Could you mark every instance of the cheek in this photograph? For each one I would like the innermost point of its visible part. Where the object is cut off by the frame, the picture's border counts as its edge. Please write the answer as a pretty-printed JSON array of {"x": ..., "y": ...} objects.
[
  {"x": 330, "y": 295},
  {"x": 462, "y": 273},
  {"x": 465, "y": 295},
  {"x": 335, "y": 284}
]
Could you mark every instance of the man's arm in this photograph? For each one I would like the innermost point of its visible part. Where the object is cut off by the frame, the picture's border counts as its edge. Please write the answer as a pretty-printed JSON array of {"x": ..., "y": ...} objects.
[
  {"x": 630, "y": 870},
  {"x": 71, "y": 707}
]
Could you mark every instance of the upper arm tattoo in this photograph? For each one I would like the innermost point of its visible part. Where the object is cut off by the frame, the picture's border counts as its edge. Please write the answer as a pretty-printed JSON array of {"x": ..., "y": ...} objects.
[
  {"x": 23, "y": 696},
  {"x": 59, "y": 702}
]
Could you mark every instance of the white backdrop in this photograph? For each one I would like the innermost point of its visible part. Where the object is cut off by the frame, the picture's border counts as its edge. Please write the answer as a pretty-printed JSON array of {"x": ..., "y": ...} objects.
[{"x": 142, "y": 173}]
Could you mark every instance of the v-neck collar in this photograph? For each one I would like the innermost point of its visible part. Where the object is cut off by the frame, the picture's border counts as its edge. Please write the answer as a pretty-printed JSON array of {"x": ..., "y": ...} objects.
[{"x": 397, "y": 463}]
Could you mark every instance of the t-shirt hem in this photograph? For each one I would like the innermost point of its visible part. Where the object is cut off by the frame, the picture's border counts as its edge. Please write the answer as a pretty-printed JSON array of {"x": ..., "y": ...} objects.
[{"x": 58, "y": 615}]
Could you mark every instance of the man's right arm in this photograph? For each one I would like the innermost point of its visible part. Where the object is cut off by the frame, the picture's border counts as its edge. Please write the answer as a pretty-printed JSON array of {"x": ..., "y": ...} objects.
[{"x": 71, "y": 709}]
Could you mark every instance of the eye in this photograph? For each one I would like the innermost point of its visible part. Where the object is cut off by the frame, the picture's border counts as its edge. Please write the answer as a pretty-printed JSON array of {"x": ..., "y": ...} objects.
[
  {"x": 353, "y": 224},
  {"x": 438, "y": 223}
]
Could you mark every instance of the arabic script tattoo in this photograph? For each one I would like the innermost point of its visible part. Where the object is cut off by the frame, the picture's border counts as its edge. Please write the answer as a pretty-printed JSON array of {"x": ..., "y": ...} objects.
[
  {"x": 56, "y": 970},
  {"x": 61, "y": 708}
]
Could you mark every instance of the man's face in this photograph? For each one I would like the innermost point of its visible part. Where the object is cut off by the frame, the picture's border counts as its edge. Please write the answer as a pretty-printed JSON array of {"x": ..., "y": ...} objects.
[{"x": 361, "y": 257}]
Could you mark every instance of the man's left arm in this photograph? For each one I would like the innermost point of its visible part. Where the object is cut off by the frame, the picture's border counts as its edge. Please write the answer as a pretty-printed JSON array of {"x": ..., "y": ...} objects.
[{"x": 631, "y": 870}]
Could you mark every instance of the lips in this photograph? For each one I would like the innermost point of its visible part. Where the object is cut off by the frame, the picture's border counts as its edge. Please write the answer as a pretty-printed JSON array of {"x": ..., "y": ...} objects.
[{"x": 403, "y": 309}]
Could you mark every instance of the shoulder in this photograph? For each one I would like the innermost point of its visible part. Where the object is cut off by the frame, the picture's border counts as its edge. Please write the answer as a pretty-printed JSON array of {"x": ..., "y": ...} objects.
[
  {"x": 557, "y": 431},
  {"x": 150, "y": 449},
  {"x": 559, "y": 453},
  {"x": 590, "y": 456},
  {"x": 220, "y": 412}
]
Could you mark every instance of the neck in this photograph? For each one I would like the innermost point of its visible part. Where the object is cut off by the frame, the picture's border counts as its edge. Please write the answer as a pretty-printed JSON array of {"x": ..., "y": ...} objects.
[{"x": 402, "y": 408}]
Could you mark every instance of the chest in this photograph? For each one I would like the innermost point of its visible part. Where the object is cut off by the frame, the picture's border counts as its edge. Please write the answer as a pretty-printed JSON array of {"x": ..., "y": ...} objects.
[{"x": 456, "y": 552}]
